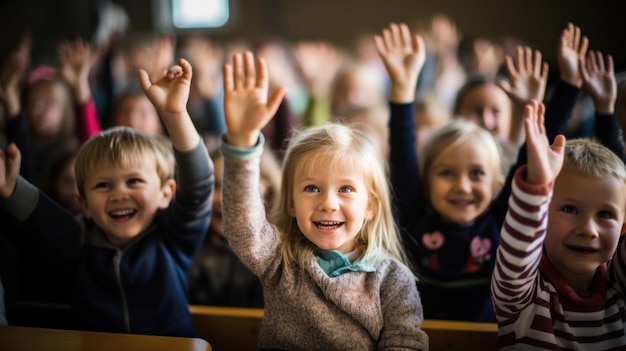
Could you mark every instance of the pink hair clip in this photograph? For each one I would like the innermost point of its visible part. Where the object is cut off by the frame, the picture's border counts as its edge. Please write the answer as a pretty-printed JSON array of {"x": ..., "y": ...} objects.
[{"x": 41, "y": 72}]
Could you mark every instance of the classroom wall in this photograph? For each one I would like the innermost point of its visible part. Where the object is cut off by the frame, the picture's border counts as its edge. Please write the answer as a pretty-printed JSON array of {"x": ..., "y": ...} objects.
[{"x": 537, "y": 22}]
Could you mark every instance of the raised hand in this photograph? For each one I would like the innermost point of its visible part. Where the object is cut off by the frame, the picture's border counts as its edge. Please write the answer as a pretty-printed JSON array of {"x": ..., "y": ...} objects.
[
  {"x": 76, "y": 59},
  {"x": 207, "y": 59},
  {"x": 170, "y": 92},
  {"x": 544, "y": 161},
  {"x": 246, "y": 105},
  {"x": 403, "y": 56},
  {"x": 12, "y": 71},
  {"x": 571, "y": 48},
  {"x": 319, "y": 63},
  {"x": 10, "y": 161},
  {"x": 599, "y": 81},
  {"x": 169, "y": 95},
  {"x": 528, "y": 76}
]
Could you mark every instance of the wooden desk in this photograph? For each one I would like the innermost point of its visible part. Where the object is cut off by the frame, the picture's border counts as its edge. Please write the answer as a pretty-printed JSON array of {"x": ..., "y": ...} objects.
[
  {"x": 231, "y": 328},
  {"x": 13, "y": 338}
]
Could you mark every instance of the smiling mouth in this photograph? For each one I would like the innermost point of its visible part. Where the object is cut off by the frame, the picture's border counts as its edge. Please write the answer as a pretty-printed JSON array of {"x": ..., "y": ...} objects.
[
  {"x": 582, "y": 249},
  {"x": 122, "y": 214},
  {"x": 328, "y": 225}
]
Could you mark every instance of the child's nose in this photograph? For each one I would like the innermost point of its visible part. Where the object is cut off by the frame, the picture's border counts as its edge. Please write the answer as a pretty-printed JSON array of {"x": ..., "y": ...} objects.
[
  {"x": 490, "y": 122},
  {"x": 118, "y": 193},
  {"x": 463, "y": 184},
  {"x": 587, "y": 227},
  {"x": 328, "y": 202}
]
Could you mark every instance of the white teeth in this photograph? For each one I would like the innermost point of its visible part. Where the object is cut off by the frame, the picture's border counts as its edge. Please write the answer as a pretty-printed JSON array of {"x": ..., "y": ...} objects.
[
  {"x": 328, "y": 225},
  {"x": 121, "y": 213}
]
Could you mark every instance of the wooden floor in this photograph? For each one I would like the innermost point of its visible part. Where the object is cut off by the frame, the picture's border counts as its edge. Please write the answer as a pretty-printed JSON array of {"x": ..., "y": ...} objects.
[{"x": 228, "y": 329}]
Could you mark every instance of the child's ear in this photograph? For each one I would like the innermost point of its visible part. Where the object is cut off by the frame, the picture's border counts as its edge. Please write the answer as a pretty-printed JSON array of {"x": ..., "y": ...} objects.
[
  {"x": 291, "y": 209},
  {"x": 168, "y": 189},
  {"x": 84, "y": 206}
]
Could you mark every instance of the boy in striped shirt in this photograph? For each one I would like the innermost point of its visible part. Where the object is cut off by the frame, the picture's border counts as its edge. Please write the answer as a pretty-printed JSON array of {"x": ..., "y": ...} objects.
[{"x": 560, "y": 269}]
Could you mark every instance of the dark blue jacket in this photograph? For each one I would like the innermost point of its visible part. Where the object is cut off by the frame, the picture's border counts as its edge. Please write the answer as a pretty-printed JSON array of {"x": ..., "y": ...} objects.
[{"x": 141, "y": 289}]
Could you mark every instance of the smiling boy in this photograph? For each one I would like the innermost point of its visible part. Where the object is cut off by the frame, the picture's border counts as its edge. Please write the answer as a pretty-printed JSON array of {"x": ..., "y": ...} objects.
[
  {"x": 130, "y": 253},
  {"x": 558, "y": 282}
]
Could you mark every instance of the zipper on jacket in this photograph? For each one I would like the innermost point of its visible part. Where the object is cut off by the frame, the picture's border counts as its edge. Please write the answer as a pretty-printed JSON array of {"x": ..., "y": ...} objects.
[{"x": 118, "y": 277}]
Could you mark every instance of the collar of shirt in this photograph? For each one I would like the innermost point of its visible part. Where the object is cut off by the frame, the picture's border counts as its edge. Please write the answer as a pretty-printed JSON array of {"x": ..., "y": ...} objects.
[{"x": 334, "y": 263}]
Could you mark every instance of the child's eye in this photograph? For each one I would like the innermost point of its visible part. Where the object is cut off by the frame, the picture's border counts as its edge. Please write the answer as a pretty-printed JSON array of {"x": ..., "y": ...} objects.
[
  {"x": 311, "y": 189},
  {"x": 605, "y": 214},
  {"x": 477, "y": 173},
  {"x": 445, "y": 174},
  {"x": 102, "y": 185},
  {"x": 569, "y": 209},
  {"x": 134, "y": 181},
  {"x": 346, "y": 189}
]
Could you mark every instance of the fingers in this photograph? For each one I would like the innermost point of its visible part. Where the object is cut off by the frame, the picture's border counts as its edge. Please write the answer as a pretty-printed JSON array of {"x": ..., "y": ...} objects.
[
  {"x": 262, "y": 80},
  {"x": 144, "y": 80},
  {"x": 229, "y": 83},
  {"x": 559, "y": 144},
  {"x": 250, "y": 71},
  {"x": 186, "y": 67},
  {"x": 418, "y": 43},
  {"x": 274, "y": 101},
  {"x": 238, "y": 71},
  {"x": 405, "y": 36}
]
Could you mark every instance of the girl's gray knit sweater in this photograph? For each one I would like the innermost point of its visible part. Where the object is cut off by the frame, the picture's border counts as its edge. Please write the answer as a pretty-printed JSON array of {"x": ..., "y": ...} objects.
[{"x": 304, "y": 308}]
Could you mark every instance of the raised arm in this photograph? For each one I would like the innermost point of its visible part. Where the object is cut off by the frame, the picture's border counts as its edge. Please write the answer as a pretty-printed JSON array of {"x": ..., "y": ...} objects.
[
  {"x": 514, "y": 280},
  {"x": 77, "y": 58},
  {"x": 528, "y": 77},
  {"x": 600, "y": 83},
  {"x": 544, "y": 160},
  {"x": 318, "y": 62},
  {"x": 247, "y": 106},
  {"x": 563, "y": 98},
  {"x": 12, "y": 71},
  {"x": 572, "y": 46},
  {"x": 403, "y": 55},
  {"x": 169, "y": 94}
]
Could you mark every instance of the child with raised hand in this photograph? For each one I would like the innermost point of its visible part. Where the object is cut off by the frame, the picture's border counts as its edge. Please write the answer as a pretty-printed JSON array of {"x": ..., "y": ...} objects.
[
  {"x": 451, "y": 200},
  {"x": 551, "y": 286},
  {"x": 444, "y": 202},
  {"x": 498, "y": 104},
  {"x": 331, "y": 265},
  {"x": 129, "y": 255}
]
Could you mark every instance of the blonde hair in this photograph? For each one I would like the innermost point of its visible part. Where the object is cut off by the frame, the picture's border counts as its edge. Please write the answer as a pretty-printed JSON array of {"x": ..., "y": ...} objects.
[
  {"x": 452, "y": 134},
  {"x": 379, "y": 235},
  {"x": 588, "y": 156},
  {"x": 124, "y": 147}
]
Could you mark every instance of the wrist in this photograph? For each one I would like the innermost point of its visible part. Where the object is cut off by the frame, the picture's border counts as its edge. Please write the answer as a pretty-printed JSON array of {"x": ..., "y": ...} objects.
[
  {"x": 244, "y": 140},
  {"x": 402, "y": 94},
  {"x": 573, "y": 80},
  {"x": 605, "y": 107}
]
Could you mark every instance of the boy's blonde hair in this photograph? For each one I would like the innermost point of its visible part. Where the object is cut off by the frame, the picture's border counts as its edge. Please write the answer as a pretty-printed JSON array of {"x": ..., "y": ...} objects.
[
  {"x": 379, "y": 235},
  {"x": 590, "y": 157},
  {"x": 124, "y": 147},
  {"x": 452, "y": 134}
]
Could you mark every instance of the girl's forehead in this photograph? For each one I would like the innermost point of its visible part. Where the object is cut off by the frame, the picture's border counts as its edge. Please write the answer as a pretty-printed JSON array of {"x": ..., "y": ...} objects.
[
  {"x": 325, "y": 163},
  {"x": 469, "y": 149}
]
